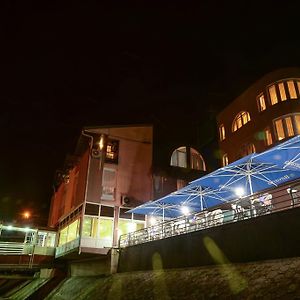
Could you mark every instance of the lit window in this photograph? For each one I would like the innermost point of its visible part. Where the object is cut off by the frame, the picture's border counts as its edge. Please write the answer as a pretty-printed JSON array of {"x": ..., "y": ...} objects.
[
  {"x": 180, "y": 184},
  {"x": 222, "y": 132},
  {"x": 279, "y": 129},
  {"x": 112, "y": 151},
  {"x": 297, "y": 123},
  {"x": 298, "y": 85},
  {"x": 261, "y": 102},
  {"x": 273, "y": 95},
  {"x": 197, "y": 162},
  {"x": 179, "y": 158},
  {"x": 240, "y": 120},
  {"x": 292, "y": 89},
  {"x": 250, "y": 149},
  {"x": 287, "y": 126},
  {"x": 225, "y": 160},
  {"x": 268, "y": 137},
  {"x": 282, "y": 91}
]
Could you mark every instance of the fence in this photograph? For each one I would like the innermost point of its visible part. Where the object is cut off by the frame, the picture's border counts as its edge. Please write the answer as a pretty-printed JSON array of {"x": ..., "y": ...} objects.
[{"x": 257, "y": 205}]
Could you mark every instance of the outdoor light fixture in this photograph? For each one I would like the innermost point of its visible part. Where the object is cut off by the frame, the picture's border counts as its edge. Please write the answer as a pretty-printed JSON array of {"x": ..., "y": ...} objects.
[
  {"x": 26, "y": 214},
  {"x": 185, "y": 210},
  {"x": 152, "y": 221},
  {"x": 240, "y": 192},
  {"x": 131, "y": 227},
  {"x": 101, "y": 142}
]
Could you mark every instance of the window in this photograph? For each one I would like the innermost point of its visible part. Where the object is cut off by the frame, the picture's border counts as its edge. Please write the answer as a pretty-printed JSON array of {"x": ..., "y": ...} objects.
[
  {"x": 273, "y": 95},
  {"x": 287, "y": 126},
  {"x": 179, "y": 158},
  {"x": 279, "y": 129},
  {"x": 108, "y": 184},
  {"x": 261, "y": 102},
  {"x": 225, "y": 160},
  {"x": 268, "y": 137},
  {"x": 248, "y": 149},
  {"x": 240, "y": 120},
  {"x": 222, "y": 132},
  {"x": 112, "y": 151},
  {"x": 180, "y": 183},
  {"x": 292, "y": 89},
  {"x": 186, "y": 157},
  {"x": 197, "y": 162},
  {"x": 282, "y": 91}
]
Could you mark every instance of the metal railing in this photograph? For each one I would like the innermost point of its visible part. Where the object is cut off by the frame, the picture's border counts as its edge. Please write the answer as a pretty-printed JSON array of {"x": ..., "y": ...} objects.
[
  {"x": 12, "y": 248},
  {"x": 257, "y": 205}
]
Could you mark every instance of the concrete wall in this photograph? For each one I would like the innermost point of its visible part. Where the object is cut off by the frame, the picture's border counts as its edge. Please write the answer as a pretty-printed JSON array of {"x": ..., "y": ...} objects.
[{"x": 266, "y": 237}]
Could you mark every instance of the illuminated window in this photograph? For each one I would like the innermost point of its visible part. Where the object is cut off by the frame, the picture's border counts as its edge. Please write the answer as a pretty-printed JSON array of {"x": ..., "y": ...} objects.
[
  {"x": 279, "y": 129},
  {"x": 287, "y": 126},
  {"x": 297, "y": 123},
  {"x": 222, "y": 132},
  {"x": 250, "y": 148},
  {"x": 197, "y": 162},
  {"x": 292, "y": 89},
  {"x": 240, "y": 120},
  {"x": 112, "y": 151},
  {"x": 273, "y": 95},
  {"x": 179, "y": 158},
  {"x": 261, "y": 102},
  {"x": 186, "y": 157},
  {"x": 298, "y": 85},
  {"x": 180, "y": 184},
  {"x": 268, "y": 137},
  {"x": 282, "y": 91},
  {"x": 225, "y": 160}
]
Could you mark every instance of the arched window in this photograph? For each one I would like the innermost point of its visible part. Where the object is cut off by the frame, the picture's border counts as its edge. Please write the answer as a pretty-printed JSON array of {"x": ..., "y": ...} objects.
[
  {"x": 240, "y": 120},
  {"x": 222, "y": 132},
  {"x": 197, "y": 161},
  {"x": 247, "y": 149},
  {"x": 186, "y": 157},
  {"x": 225, "y": 160}
]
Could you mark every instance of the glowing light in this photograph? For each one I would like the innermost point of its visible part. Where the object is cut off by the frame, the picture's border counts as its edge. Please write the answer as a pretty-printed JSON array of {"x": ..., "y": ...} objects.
[
  {"x": 185, "y": 210},
  {"x": 26, "y": 214},
  {"x": 27, "y": 229},
  {"x": 239, "y": 191},
  {"x": 101, "y": 143},
  {"x": 152, "y": 221},
  {"x": 9, "y": 227},
  {"x": 131, "y": 227}
]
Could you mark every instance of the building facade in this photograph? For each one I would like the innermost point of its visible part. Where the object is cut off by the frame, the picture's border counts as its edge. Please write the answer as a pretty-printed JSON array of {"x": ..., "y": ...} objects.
[
  {"x": 267, "y": 113},
  {"x": 112, "y": 170}
]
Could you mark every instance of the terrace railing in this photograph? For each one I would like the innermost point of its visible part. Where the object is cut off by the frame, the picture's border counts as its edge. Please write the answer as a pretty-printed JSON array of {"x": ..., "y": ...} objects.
[{"x": 257, "y": 205}]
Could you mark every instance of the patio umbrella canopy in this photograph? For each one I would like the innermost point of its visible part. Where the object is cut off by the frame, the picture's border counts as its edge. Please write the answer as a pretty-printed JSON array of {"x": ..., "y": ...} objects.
[
  {"x": 285, "y": 155},
  {"x": 247, "y": 176},
  {"x": 158, "y": 208},
  {"x": 197, "y": 198}
]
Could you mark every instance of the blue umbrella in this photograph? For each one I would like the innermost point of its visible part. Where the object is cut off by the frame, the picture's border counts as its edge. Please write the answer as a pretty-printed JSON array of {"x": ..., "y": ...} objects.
[
  {"x": 158, "y": 208},
  {"x": 285, "y": 155},
  {"x": 197, "y": 198},
  {"x": 249, "y": 174}
]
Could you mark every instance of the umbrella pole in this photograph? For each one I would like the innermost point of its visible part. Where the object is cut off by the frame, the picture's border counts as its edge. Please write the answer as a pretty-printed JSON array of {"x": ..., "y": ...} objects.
[{"x": 251, "y": 193}]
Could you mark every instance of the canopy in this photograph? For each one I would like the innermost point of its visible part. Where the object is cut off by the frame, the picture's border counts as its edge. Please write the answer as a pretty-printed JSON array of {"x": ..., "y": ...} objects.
[
  {"x": 285, "y": 155},
  {"x": 249, "y": 174},
  {"x": 197, "y": 198},
  {"x": 158, "y": 208}
]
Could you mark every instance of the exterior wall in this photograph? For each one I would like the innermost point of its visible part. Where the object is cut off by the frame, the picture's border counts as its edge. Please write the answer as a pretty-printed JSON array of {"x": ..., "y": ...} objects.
[
  {"x": 267, "y": 237},
  {"x": 84, "y": 185},
  {"x": 253, "y": 131}
]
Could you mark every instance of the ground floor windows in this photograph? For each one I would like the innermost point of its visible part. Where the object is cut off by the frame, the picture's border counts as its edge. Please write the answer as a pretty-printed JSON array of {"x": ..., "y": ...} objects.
[
  {"x": 97, "y": 227},
  {"x": 69, "y": 233}
]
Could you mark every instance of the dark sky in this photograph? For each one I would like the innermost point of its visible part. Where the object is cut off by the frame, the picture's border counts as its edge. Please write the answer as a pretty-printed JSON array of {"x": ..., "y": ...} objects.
[{"x": 64, "y": 67}]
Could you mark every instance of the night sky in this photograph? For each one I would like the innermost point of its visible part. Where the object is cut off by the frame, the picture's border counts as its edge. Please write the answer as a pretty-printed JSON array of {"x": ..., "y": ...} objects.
[{"x": 64, "y": 67}]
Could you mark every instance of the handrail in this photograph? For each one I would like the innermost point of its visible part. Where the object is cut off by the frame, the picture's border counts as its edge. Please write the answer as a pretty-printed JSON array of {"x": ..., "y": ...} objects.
[{"x": 258, "y": 205}]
